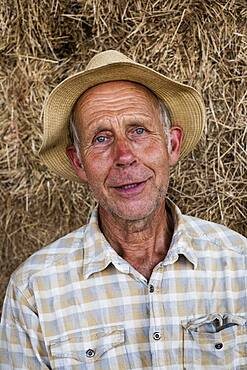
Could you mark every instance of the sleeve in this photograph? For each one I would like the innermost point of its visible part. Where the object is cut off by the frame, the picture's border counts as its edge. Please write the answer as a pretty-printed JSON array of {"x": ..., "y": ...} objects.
[{"x": 22, "y": 345}]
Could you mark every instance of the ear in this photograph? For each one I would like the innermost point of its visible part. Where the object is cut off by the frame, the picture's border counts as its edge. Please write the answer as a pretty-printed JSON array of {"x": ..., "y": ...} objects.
[
  {"x": 176, "y": 135},
  {"x": 76, "y": 163}
]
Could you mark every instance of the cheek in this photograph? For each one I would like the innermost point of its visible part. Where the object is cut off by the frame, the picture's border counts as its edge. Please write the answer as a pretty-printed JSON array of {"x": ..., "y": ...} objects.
[
  {"x": 93, "y": 171},
  {"x": 157, "y": 160},
  {"x": 156, "y": 153},
  {"x": 93, "y": 155},
  {"x": 96, "y": 168}
]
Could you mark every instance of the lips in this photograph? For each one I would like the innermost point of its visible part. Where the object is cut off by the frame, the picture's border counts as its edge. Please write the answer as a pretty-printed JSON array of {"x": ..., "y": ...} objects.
[
  {"x": 130, "y": 189},
  {"x": 129, "y": 186},
  {"x": 126, "y": 181}
]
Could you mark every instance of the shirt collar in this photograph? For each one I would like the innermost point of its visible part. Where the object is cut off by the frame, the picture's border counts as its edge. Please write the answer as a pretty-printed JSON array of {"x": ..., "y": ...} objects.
[
  {"x": 182, "y": 239},
  {"x": 98, "y": 254}
]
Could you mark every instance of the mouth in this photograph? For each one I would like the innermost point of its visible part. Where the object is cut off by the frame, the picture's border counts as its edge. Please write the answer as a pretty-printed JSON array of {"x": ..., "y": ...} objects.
[
  {"x": 128, "y": 186},
  {"x": 130, "y": 189}
]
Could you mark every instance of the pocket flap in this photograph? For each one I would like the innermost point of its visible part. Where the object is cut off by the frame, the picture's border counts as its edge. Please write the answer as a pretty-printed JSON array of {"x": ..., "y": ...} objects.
[{"x": 87, "y": 345}]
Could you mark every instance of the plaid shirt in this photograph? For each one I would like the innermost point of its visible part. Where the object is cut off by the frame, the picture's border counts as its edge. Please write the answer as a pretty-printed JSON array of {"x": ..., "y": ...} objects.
[{"x": 77, "y": 304}]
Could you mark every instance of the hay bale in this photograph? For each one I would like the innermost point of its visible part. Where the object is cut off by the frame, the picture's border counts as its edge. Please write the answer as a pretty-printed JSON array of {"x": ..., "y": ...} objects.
[{"x": 196, "y": 42}]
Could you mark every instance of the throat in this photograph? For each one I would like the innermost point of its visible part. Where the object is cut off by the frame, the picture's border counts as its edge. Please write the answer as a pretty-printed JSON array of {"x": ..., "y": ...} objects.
[
  {"x": 145, "y": 266},
  {"x": 142, "y": 244}
]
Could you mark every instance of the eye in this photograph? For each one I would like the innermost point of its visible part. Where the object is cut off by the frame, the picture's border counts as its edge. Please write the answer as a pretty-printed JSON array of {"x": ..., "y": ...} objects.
[
  {"x": 137, "y": 133},
  {"x": 100, "y": 139},
  {"x": 139, "y": 130}
]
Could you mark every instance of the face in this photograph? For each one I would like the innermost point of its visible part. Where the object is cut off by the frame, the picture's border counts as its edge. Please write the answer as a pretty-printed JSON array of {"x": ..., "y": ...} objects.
[{"x": 123, "y": 148}]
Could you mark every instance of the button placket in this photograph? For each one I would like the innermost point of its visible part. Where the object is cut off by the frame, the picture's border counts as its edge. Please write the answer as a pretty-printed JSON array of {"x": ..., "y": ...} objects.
[{"x": 156, "y": 321}]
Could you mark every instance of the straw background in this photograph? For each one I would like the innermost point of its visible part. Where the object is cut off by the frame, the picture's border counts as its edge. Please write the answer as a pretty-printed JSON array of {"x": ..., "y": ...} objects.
[{"x": 202, "y": 43}]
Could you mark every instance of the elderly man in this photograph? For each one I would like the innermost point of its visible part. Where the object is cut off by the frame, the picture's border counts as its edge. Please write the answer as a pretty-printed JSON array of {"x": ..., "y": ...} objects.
[{"x": 141, "y": 286}]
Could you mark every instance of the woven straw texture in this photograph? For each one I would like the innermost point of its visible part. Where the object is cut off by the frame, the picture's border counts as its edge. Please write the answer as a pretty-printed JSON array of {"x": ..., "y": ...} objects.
[{"x": 197, "y": 42}]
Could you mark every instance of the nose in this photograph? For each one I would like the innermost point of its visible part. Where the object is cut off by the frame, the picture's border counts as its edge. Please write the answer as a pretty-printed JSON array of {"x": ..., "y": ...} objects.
[{"x": 123, "y": 154}]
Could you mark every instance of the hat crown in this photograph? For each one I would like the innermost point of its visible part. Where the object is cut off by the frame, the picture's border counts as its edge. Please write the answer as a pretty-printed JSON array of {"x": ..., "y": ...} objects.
[{"x": 107, "y": 57}]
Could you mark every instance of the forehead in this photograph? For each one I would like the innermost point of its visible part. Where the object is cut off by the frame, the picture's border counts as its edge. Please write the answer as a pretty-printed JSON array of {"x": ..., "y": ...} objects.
[{"x": 116, "y": 96}]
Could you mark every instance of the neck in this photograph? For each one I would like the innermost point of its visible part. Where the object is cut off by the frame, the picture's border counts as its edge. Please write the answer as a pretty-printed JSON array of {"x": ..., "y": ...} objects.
[{"x": 143, "y": 243}]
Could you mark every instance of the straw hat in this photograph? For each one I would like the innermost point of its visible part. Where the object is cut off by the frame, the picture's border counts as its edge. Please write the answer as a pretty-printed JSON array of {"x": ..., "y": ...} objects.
[{"x": 183, "y": 102}]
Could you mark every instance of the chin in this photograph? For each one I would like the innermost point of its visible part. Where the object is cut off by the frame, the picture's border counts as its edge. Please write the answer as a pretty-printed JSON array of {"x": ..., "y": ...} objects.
[
  {"x": 136, "y": 209},
  {"x": 135, "y": 213}
]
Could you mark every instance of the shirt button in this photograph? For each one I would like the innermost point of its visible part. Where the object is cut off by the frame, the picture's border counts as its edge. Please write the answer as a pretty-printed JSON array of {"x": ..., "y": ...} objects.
[
  {"x": 156, "y": 335},
  {"x": 219, "y": 345},
  {"x": 151, "y": 288},
  {"x": 90, "y": 353}
]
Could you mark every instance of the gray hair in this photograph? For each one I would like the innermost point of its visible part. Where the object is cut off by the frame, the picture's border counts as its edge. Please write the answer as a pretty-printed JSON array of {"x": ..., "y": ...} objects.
[
  {"x": 73, "y": 134},
  {"x": 165, "y": 119}
]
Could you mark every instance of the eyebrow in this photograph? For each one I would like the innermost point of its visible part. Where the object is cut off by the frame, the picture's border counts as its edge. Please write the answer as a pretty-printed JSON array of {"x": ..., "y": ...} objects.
[{"x": 100, "y": 129}]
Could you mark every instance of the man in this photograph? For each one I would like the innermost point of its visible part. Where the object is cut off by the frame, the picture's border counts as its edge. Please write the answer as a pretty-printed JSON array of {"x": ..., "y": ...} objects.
[{"x": 141, "y": 286}]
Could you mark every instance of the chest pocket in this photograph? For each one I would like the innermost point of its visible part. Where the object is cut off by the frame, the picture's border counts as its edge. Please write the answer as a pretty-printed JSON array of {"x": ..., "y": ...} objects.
[
  {"x": 90, "y": 349},
  {"x": 215, "y": 342}
]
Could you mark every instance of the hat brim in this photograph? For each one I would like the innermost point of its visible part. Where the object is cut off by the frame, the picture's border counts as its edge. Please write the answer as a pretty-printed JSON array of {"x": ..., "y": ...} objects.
[{"x": 184, "y": 103}]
